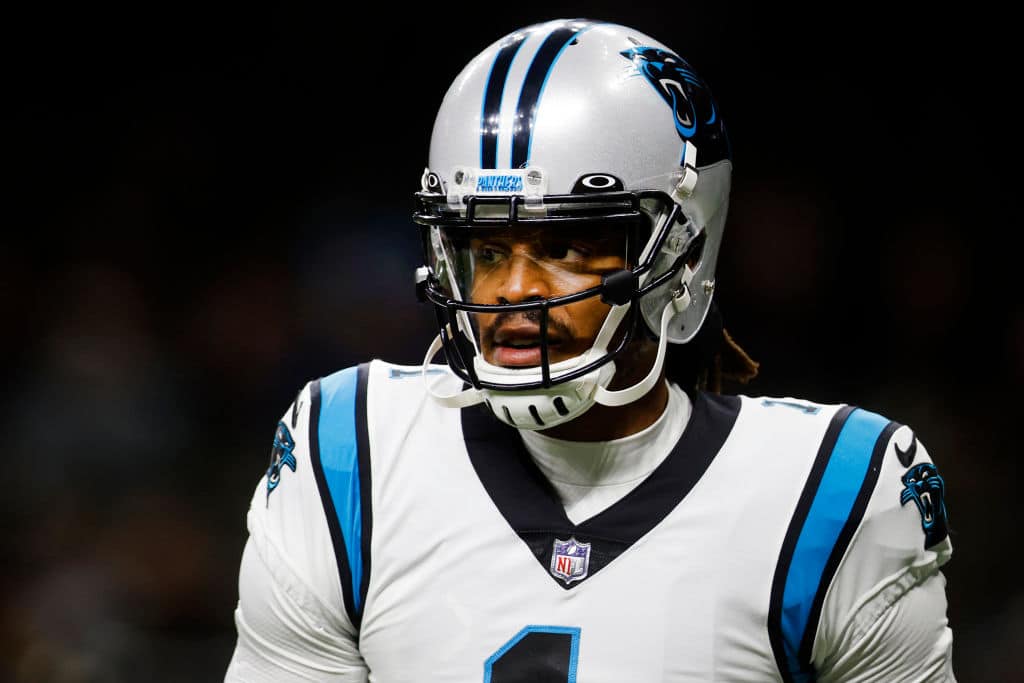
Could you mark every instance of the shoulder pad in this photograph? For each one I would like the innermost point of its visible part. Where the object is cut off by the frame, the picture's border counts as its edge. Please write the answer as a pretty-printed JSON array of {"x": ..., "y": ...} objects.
[
  {"x": 309, "y": 505},
  {"x": 902, "y": 540}
]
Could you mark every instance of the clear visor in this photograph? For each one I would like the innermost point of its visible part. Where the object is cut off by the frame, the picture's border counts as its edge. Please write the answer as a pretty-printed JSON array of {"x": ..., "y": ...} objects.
[
  {"x": 526, "y": 265},
  {"x": 502, "y": 264}
]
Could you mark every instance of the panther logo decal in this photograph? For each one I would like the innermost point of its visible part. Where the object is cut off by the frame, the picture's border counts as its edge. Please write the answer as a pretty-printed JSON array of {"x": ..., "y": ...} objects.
[
  {"x": 690, "y": 99},
  {"x": 280, "y": 456},
  {"x": 924, "y": 486}
]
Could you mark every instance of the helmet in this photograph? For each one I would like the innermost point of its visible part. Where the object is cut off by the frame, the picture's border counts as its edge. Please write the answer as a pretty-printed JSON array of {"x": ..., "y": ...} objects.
[{"x": 568, "y": 128}]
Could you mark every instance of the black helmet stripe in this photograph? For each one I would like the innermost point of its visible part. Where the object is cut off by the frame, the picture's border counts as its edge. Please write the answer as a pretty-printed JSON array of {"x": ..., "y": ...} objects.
[
  {"x": 536, "y": 77},
  {"x": 492, "y": 100}
]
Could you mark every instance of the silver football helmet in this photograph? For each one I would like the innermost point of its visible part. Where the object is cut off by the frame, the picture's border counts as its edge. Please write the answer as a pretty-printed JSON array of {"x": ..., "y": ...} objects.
[{"x": 594, "y": 157}]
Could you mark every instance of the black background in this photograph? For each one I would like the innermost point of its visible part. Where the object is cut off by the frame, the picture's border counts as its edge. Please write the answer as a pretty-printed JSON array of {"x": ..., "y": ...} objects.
[{"x": 207, "y": 209}]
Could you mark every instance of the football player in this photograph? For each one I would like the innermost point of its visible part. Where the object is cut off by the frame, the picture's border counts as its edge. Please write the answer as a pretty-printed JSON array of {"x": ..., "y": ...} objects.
[{"x": 563, "y": 499}]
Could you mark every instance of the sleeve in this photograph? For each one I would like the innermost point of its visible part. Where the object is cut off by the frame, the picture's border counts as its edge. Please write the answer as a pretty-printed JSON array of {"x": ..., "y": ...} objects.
[
  {"x": 884, "y": 616},
  {"x": 291, "y": 620}
]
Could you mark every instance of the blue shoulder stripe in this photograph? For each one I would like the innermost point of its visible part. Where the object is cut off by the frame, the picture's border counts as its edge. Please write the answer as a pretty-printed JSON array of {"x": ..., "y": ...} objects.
[
  {"x": 340, "y": 455},
  {"x": 828, "y": 513}
]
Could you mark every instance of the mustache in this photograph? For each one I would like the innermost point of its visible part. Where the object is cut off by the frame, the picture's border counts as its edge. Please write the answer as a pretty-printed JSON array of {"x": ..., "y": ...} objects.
[{"x": 555, "y": 328}]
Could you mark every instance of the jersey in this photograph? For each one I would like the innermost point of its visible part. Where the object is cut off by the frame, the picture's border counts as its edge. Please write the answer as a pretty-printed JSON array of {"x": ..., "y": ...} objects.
[{"x": 394, "y": 539}]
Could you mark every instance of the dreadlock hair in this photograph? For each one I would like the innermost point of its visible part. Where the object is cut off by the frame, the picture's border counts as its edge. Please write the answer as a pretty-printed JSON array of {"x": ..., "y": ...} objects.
[{"x": 711, "y": 358}]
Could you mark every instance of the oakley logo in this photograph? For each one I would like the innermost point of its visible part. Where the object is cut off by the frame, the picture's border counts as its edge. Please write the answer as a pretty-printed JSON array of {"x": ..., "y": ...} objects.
[{"x": 597, "y": 182}]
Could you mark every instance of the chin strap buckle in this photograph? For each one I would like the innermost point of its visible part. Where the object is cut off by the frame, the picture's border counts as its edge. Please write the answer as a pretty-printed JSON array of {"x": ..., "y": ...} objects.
[
  {"x": 688, "y": 181},
  {"x": 681, "y": 295}
]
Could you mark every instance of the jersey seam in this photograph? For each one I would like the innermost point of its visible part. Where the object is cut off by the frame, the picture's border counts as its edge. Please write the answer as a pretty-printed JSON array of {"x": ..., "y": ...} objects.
[
  {"x": 264, "y": 546},
  {"x": 877, "y": 601}
]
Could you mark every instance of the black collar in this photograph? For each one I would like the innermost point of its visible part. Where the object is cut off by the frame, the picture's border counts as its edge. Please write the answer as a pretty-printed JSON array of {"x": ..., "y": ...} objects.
[{"x": 532, "y": 508}]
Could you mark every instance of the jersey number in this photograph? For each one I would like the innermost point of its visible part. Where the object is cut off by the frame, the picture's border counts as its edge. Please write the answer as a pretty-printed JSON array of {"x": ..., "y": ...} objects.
[{"x": 537, "y": 654}]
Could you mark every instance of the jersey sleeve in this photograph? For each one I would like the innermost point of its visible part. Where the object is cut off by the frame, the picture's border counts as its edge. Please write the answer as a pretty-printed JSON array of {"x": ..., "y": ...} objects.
[
  {"x": 884, "y": 616},
  {"x": 291, "y": 619}
]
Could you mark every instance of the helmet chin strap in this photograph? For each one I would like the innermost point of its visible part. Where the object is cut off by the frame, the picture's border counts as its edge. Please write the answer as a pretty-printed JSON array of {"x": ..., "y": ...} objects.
[
  {"x": 462, "y": 399},
  {"x": 679, "y": 302},
  {"x": 623, "y": 397}
]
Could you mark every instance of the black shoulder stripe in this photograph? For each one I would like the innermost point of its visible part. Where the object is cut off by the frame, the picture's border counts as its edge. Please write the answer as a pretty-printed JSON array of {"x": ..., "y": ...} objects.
[
  {"x": 337, "y": 539},
  {"x": 340, "y": 452},
  {"x": 365, "y": 483},
  {"x": 803, "y": 506},
  {"x": 831, "y": 507},
  {"x": 296, "y": 407},
  {"x": 845, "y": 536}
]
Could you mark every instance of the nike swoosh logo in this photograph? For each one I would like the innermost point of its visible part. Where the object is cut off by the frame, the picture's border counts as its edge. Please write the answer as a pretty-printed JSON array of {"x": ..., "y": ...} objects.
[{"x": 907, "y": 456}]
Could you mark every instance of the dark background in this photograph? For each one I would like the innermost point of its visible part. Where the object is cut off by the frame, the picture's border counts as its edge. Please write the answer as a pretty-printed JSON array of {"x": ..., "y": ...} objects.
[{"x": 207, "y": 209}]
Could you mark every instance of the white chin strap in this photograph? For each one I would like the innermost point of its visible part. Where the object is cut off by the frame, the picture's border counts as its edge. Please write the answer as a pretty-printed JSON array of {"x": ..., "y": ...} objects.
[
  {"x": 467, "y": 397},
  {"x": 564, "y": 401},
  {"x": 623, "y": 396}
]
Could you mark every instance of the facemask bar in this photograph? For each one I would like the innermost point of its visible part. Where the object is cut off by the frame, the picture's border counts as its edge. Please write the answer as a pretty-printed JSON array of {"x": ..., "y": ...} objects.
[
  {"x": 458, "y": 351},
  {"x": 617, "y": 289}
]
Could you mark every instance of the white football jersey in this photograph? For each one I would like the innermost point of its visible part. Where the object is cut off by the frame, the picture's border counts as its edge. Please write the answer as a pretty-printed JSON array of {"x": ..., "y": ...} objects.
[{"x": 394, "y": 539}]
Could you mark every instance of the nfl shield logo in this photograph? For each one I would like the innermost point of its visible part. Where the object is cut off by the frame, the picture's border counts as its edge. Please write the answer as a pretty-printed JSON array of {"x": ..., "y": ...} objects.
[{"x": 570, "y": 560}]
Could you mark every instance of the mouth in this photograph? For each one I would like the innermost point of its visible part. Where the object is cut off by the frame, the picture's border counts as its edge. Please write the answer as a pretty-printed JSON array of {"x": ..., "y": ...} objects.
[
  {"x": 926, "y": 499},
  {"x": 519, "y": 345}
]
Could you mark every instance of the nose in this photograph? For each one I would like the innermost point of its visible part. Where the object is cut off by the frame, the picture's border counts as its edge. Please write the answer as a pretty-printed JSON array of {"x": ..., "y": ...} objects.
[{"x": 525, "y": 280}]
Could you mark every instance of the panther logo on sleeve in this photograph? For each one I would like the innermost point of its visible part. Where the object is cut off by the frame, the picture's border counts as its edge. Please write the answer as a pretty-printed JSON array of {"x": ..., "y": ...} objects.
[
  {"x": 280, "y": 456},
  {"x": 924, "y": 486}
]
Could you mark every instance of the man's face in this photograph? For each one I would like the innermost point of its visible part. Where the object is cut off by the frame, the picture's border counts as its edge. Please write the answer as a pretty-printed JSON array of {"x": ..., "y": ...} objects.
[{"x": 522, "y": 264}]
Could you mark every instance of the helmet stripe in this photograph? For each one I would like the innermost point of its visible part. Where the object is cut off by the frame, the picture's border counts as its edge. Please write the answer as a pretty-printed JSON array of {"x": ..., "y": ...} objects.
[
  {"x": 492, "y": 100},
  {"x": 533, "y": 87}
]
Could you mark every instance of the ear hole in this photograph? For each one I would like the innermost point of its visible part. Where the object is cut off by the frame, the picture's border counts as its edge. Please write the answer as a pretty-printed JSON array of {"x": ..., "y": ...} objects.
[
  {"x": 508, "y": 415},
  {"x": 697, "y": 254},
  {"x": 536, "y": 415},
  {"x": 560, "y": 406}
]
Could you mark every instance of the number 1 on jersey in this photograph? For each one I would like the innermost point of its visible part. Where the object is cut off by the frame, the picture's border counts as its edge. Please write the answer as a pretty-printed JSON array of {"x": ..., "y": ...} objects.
[{"x": 537, "y": 654}]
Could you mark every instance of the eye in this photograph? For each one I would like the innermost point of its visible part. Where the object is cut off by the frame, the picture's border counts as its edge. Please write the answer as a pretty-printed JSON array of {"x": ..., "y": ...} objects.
[
  {"x": 487, "y": 254},
  {"x": 556, "y": 250},
  {"x": 566, "y": 251}
]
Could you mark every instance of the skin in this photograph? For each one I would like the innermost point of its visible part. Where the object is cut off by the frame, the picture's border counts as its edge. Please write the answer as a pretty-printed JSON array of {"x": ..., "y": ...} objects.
[{"x": 522, "y": 266}]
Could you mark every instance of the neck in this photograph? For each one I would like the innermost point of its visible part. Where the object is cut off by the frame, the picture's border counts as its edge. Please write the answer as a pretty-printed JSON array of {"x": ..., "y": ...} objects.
[{"x": 605, "y": 423}]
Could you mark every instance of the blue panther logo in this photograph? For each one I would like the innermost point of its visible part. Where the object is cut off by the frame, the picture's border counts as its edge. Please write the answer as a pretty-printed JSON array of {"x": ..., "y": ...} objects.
[
  {"x": 926, "y": 488},
  {"x": 675, "y": 80},
  {"x": 280, "y": 456}
]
